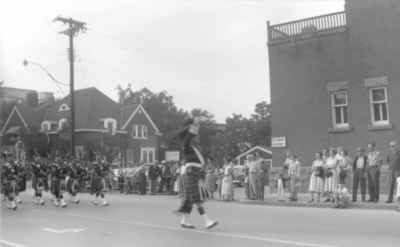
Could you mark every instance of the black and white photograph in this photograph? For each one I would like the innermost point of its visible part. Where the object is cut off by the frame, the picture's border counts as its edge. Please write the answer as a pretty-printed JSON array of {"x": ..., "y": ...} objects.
[{"x": 200, "y": 123}]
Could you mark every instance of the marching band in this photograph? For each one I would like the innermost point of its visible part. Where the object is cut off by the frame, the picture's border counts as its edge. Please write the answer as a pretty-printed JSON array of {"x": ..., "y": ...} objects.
[{"x": 63, "y": 178}]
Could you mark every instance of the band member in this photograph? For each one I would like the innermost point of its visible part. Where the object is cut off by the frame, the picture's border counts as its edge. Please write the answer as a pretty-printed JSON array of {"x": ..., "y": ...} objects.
[
  {"x": 21, "y": 180},
  {"x": 58, "y": 172},
  {"x": 99, "y": 173},
  {"x": 193, "y": 171},
  {"x": 39, "y": 180},
  {"x": 10, "y": 182},
  {"x": 75, "y": 174}
]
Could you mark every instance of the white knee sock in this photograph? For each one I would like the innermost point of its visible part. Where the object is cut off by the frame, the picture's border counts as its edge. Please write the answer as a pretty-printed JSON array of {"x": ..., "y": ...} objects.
[{"x": 207, "y": 220}]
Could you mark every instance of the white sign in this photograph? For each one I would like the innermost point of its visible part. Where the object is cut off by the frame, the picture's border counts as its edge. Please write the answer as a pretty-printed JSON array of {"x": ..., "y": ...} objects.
[
  {"x": 172, "y": 155},
  {"x": 278, "y": 142}
]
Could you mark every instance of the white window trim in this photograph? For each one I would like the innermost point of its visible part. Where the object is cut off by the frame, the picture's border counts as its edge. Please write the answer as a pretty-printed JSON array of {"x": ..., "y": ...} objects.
[
  {"x": 333, "y": 106},
  {"x": 153, "y": 150},
  {"x": 144, "y": 133},
  {"x": 63, "y": 107},
  {"x": 371, "y": 106},
  {"x": 140, "y": 132},
  {"x": 135, "y": 131}
]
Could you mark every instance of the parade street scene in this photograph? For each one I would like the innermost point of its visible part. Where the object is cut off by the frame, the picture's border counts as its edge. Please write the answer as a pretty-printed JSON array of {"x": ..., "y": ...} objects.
[{"x": 200, "y": 123}]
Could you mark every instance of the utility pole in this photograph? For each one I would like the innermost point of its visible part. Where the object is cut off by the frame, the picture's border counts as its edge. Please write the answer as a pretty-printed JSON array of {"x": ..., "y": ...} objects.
[{"x": 74, "y": 27}]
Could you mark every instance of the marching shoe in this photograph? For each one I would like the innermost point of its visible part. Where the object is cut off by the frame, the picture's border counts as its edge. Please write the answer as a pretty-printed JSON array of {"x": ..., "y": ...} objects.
[
  {"x": 18, "y": 200},
  {"x": 56, "y": 203},
  {"x": 94, "y": 202},
  {"x": 105, "y": 203},
  {"x": 212, "y": 224},
  {"x": 187, "y": 226},
  {"x": 63, "y": 203},
  {"x": 13, "y": 206},
  {"x": 41, "y": 201}
]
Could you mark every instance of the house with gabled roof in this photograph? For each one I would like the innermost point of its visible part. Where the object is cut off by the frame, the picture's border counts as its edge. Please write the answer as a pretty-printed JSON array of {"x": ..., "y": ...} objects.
[
  {"x": 264, "y": 153},
  {"x": 101, "y": 125}
]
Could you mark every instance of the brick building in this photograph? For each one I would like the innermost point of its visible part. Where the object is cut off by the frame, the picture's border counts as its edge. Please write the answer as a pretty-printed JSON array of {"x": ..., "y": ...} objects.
[
  {"x": 101, "y": 125},
  {"x": 335, "y": 79}
]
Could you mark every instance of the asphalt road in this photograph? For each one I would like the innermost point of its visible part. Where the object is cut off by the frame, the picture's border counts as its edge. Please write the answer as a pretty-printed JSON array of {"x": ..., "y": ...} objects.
[{"x": 142, "y": 221}]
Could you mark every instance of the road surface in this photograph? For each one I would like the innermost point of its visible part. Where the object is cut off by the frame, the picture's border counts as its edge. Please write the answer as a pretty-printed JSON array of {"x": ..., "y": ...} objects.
[{"x": 143, "y": 221}]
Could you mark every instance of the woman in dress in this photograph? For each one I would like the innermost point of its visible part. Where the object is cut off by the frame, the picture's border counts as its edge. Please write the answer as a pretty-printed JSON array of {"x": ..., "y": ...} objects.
[
  {"x": 294, "y": 177},
  {"x": 344, "y": 166},
  {"x": 330, "y": 171},
  {"x": 316, "y": 179},
  {"x": 227, "y": 183},
  {"x": 211, "y": 182}
]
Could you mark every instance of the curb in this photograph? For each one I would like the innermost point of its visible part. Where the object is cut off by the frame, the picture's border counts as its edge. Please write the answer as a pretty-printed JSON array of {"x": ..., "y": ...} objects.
[{"x": 363, "y": 206}]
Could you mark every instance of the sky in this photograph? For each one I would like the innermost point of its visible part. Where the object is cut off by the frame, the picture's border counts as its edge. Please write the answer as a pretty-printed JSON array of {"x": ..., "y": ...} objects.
[{"x": 210, "y": 54}]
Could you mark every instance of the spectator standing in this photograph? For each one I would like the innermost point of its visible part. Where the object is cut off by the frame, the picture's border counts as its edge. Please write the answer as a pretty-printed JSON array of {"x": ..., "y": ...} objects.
[
  {"x": 331, "y": 177},
  {"x": 294, "y": 177},
  {"x": 253, "y": 176},
  {"x": 393, "y": 160},
  {"x": 282, "y": 180},
  {"x": 359, "y": 174},
  {"x": 166, "y": 177},
  {"x": 263, "y": 178},
  {"x": 344, "y": 166},
  {"x": 211, "y": 181},
  {"x": 121, "y": 178},
  {"x": 227, "y": 183},
  {"x": 316, "y": 180},
  {"x": 154, "y": 173},
  {"x": 374, "y": 164}
]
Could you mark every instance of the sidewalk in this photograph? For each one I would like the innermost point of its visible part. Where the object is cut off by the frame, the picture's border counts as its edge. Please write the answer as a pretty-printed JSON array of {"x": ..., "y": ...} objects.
[{"x": 272, "y": 200}]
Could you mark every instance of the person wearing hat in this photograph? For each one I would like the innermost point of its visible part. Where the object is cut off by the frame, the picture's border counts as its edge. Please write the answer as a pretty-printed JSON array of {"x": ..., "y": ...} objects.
[
  {"x": 192, "y": 172},
  {"x": 360, "y": 174}
]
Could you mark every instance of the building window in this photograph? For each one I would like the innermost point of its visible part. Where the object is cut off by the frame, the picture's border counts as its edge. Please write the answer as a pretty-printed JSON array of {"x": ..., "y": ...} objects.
[
  {"x": 139, "y": 132},
  {"x": 46, "y": 126},
  {"x": 111, "y": 125},
  {"x": 135, "y": 131},
  {"x": 130, "y": 156},
  {"x": 63, "y": 107},
  {"x": 339, "y": 104},
  {"x": 144, "y": 131},
  {"x": 379, "y": 106},
  {"x": 147, "y": 155}
]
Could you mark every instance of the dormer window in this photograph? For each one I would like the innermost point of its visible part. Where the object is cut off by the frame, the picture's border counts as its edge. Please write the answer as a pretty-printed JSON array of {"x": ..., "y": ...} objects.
[
  {"x": 62, "y": 124},
  {"x": 45, "y": 126},
  {"x": 63, "y": 107},
  {"x": 111, "y": 125}
]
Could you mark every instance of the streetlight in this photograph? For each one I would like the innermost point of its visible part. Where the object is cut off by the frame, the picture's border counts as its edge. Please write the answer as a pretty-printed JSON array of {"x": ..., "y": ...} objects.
[{"x": 28, "y": 62}]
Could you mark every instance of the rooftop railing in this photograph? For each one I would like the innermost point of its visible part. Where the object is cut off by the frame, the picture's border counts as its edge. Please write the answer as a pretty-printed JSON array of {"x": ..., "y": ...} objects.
[{"x": 307, "y": 28}]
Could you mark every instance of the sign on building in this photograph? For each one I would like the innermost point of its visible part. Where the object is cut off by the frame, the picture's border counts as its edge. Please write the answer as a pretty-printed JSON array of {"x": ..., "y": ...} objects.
[
  {"x": 278, "y": 142},
  {"x": 172, "y": 155}
]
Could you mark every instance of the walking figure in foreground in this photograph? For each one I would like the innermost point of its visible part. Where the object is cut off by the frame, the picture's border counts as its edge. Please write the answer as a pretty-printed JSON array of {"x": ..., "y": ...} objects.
[{"x": 193, "y": 171}]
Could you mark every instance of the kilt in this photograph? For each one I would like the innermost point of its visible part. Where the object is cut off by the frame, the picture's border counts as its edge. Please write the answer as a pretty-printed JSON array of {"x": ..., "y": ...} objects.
[
  {"x": 97, "y": 185},
  {"x": 191, "y": 189},
  {"x": 73, "y": 186}
]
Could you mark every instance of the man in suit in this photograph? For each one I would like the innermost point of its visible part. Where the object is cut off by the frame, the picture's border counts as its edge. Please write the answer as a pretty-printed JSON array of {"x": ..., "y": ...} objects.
[
  {"x": 393, "y": 160},
  {"x": 359, "y": 174},
  {"x": 373, "y": 170}
]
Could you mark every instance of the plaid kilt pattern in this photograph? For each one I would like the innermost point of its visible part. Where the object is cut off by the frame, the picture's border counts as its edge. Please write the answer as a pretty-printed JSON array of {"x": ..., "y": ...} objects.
[
  {"x": 97, "y": 185},
  {"x": 192, "y": 191}
]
